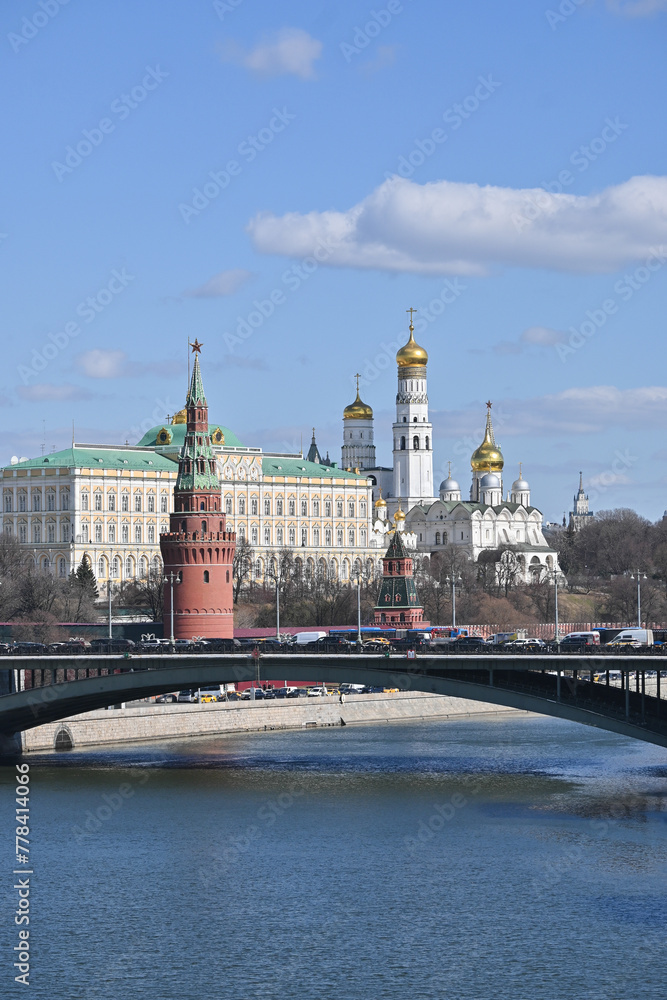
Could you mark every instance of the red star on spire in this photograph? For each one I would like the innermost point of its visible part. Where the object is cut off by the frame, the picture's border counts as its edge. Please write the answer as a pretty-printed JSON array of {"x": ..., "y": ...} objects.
[{"x": 196, "y": 346}]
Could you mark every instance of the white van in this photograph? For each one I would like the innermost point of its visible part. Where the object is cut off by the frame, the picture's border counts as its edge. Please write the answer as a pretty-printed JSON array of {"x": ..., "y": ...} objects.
[
  {"x": 304, "y": 638},
  {"x": 643, "y": 636}
]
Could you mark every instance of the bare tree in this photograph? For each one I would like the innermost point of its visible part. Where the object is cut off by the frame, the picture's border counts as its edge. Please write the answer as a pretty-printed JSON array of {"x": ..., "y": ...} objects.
[{"x": 244, "y": 555}]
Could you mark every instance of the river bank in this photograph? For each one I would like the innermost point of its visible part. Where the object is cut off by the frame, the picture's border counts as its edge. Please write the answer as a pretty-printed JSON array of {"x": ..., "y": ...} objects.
[{"x": 142, "y": 722}]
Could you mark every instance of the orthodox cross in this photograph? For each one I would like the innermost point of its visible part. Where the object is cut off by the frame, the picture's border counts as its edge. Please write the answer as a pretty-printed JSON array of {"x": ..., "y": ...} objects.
[{"x": 411, "y": 311}]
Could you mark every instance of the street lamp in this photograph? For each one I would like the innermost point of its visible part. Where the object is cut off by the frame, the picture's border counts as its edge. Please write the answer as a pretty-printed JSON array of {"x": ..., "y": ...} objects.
[
  {"x": 556, "y": 636},
  {"x": 278, "y": 605},
  {"x": 640, "y": 576},
  {"x": 171, "y": 580},
  {"x": 454, "y": 580},
  {"x": 359, "y": 606},
  {"x": 110, "y": 588}
]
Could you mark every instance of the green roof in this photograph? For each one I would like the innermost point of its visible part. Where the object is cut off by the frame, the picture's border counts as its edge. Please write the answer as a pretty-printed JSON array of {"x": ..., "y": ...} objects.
[
  {"x": 277, "y": 466},
  {"x": 196, "y": 390},
  {"x": 98, "y": 458},
  {"x": 177, "y": 431}
]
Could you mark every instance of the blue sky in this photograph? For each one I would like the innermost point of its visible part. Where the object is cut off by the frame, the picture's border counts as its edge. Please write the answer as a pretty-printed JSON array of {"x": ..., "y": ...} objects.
[{"x": 283, "y": 181}]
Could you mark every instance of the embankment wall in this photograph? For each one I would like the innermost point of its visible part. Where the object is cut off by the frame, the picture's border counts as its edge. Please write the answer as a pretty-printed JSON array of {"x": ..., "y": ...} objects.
[{"x": 142, "y": 722}]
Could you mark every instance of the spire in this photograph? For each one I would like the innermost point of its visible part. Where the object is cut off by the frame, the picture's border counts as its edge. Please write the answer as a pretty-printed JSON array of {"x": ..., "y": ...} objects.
[
  {"x": 196, "y": 390},
  {"x": 488, "y": 455},
  {"x": 313, "y": 452},
  {"x": 581, "y": 482},
  {"x": 197, "y": 469}
]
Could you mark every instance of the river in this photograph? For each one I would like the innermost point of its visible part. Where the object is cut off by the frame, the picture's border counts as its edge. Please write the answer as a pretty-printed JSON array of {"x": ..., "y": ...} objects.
[{"x": 478, "y": 859}]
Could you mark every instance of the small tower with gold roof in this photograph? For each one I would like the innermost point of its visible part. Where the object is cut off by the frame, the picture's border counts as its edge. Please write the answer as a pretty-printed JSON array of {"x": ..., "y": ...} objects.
[
  {"x": 413, "y": 432},
  {"x": 358, "y": 451},
  {"x": 487, "y": 460}
]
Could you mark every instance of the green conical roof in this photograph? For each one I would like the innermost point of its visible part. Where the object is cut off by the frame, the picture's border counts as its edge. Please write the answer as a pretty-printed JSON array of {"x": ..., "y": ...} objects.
[{"x": 196, "y": 391}]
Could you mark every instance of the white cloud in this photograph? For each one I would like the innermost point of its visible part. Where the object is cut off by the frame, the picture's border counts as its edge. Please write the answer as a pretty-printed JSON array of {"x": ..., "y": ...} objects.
[
  {"x": 584, "y": 410},
  {"x": 543, "y": 336},
  {"x": 636, "y": 8},
  {"x": 225, "y": 283},
  {"x": 448, "y": 227},
  {"x": 52, "y": 393},
  {"x": 102, "y": 364},
  {"x": 289, "y": 51}
]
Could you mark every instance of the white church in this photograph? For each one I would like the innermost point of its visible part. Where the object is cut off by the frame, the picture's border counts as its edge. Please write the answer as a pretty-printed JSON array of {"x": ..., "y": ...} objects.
[{"x": 406, "y": 498}]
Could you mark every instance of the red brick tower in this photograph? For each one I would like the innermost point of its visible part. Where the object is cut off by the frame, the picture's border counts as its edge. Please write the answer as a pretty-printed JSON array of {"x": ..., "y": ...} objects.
[
  {"x": 398, "y": 603},
  {"x": 197, "y": 549}
]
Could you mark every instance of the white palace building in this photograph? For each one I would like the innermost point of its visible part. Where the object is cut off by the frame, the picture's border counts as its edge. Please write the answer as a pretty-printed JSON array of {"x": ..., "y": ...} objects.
[{"x": 108, "y": 504}]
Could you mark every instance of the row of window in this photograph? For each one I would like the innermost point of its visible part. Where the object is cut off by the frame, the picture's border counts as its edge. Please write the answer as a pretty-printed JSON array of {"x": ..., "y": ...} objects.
[
  {"x": 35, "y": 504},
  {"x": 35, "y": 501},
  {"x": 49, "y": 535},
  {"x": 415, "y": 444},
  {"x": 128, "y": 567},
  {"x": 137, "y": 503},
  {"x": 291, "y": 507},
  {"x": 303, "y": 536}
]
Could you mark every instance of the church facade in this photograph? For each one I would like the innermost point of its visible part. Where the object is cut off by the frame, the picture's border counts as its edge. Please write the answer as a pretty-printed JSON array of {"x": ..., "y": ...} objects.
[{"x": 489, "y": 520}]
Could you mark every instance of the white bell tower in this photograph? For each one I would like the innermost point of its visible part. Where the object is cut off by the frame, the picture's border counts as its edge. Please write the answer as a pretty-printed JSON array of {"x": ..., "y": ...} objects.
[{"x": 413, "y": 433}]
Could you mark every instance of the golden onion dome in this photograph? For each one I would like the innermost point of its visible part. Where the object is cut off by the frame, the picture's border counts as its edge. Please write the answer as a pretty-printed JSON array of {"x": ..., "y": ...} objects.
[
  {"x": 181, "y": 417},
  {"x": 411, "y": 353},
  {"x": 380, "y": 502},
  {"x": 358, "y": 410},
  {"x": 399, "y": 516},
  {"x": 488, "y": 457}
]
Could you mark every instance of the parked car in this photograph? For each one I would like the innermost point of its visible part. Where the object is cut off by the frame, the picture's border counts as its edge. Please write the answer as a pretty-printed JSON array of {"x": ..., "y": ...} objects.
[
  {"x": 166, "y": 699},
  {"x": 468, "y": 642},
  {"x": 112, "y": 645},
  {"x": 186, "y": 697},
  {"x": 29, "y": 648}
]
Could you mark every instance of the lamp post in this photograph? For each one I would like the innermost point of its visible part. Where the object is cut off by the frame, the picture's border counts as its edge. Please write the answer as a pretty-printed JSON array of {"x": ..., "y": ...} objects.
[
  {"x": 640, "y": 576},
  {"x": 278, "y": 606},
  {"x": 557, "y": 637},
  {"x": 109, "y": 589},
  {"x": 359, "y": 608},
  {"x": 454, "y": 580},
  {"x": 171, "y": 580}
]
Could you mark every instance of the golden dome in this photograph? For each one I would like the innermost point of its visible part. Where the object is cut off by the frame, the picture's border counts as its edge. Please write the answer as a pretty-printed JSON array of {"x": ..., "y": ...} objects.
[
  {"x": 411, "y": 353},
  {"x": 488, "y": 457},
  {"x": 380, "y": 502},
  {"x": 181, "y": 417},
  {"x": 358, "y": 410},
  {"x": 399, "y": 516}
]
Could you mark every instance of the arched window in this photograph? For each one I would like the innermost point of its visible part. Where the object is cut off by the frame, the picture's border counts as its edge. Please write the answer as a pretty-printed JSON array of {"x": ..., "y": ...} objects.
[
  {"x": 203, "y": 527},
  {"x": 428, "y": 443},
  {"x": 414, "y": 420},
  {"x": 437, "y": 538},
  {"x": 415, "y": 442},
  {"x": 129, "y": 568},
  {"x": 405, "y": 420},
  {"x": 403, "y": 443},
  {"x": 206, "y": 577},
  {"x": 101, "y": 567}
]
